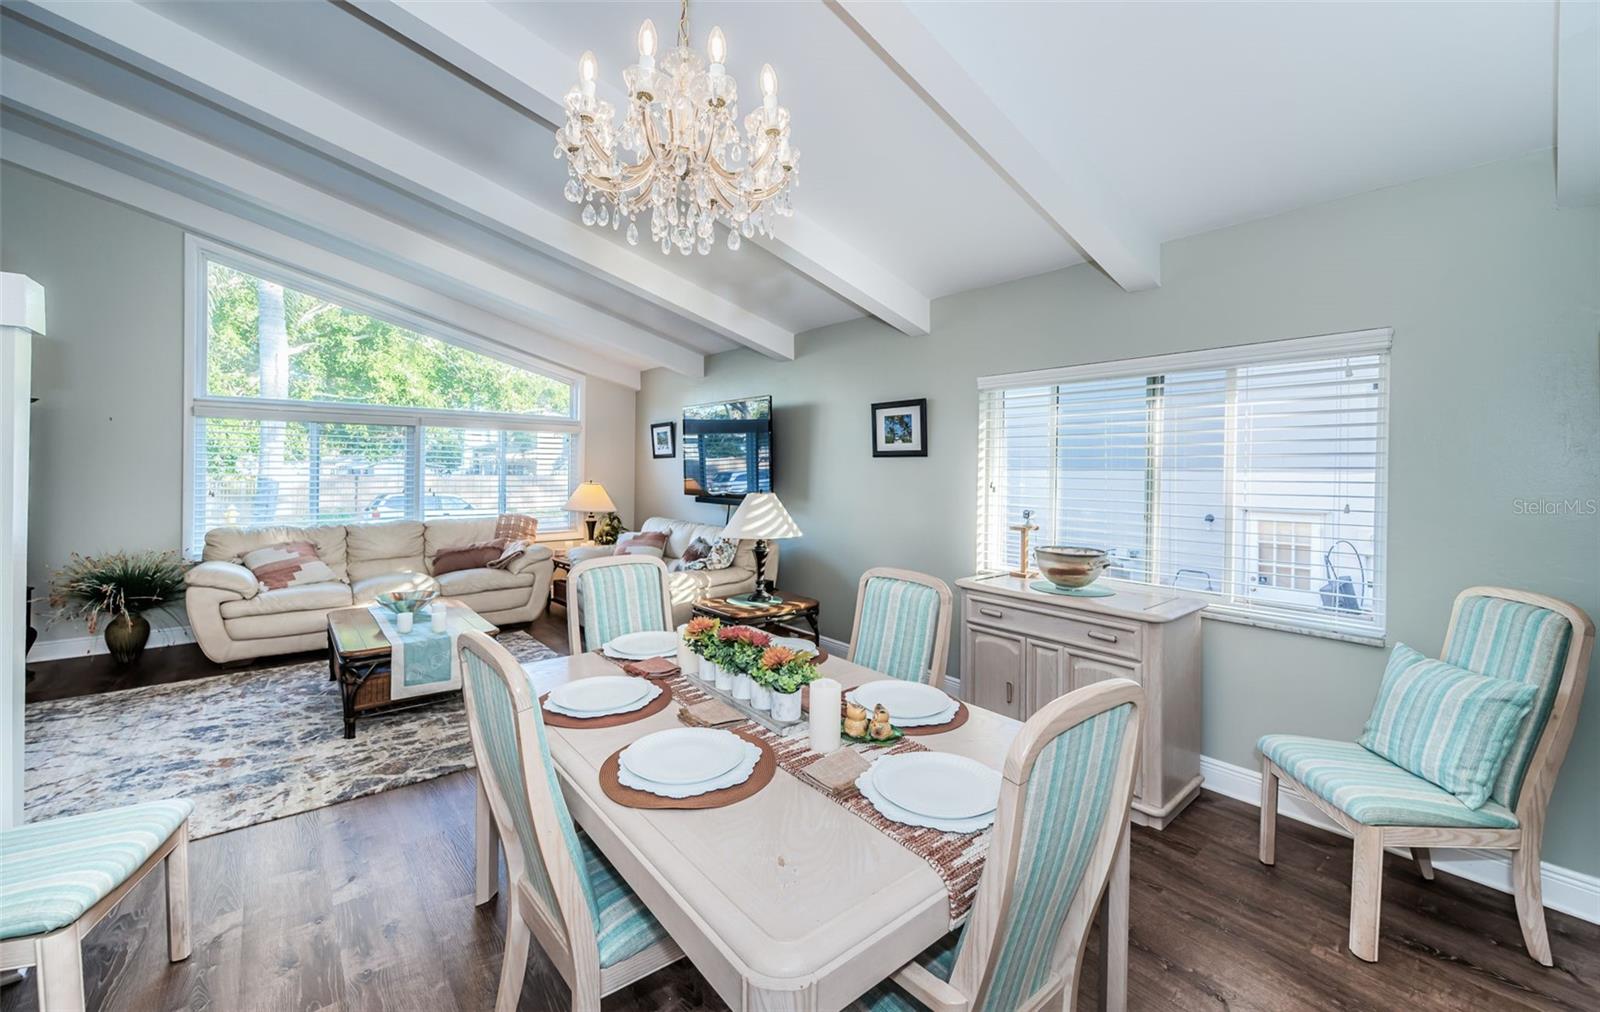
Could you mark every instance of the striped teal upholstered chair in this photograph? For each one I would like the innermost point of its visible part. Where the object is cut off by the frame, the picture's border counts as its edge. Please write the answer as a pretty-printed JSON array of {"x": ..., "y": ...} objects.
[
  {"x": 1059, "y": 850},
  {"x": 562, "y": 891},
  {"x": 1508, "y": 634},
  {"x": 619, "y": 594},
  {"x": 902, "y": 626},
  {"x": 59, "y": 877}
]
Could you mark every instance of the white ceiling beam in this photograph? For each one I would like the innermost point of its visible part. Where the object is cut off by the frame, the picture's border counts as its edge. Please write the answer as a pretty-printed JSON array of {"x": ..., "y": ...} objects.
[
  {"x": 1578, "y": 104},
  {"x": 488, "y": 45},
  {"x": 179, "y": 56},
  {"x": 501, "y": 336},
  {"x": 78, "y": 111},
  {"x": 1072, "y": 198}
]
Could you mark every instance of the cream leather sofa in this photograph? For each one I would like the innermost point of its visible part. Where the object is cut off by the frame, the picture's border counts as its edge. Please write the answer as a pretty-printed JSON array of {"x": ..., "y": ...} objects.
[
  {"x": 234, "y": 619},
  {"x": 690, "y": 585}
]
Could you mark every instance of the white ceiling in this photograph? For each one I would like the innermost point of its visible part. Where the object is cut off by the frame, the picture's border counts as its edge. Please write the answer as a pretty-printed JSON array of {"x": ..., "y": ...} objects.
[{"x": 1193, "y": 116}]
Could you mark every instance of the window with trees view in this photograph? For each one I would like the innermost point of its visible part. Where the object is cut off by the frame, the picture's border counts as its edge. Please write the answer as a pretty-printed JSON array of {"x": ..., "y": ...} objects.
[{"x": 310, "y": 405}]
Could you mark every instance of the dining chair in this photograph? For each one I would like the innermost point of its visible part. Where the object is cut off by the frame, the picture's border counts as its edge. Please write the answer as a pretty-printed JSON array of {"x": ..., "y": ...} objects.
[
  {"x": 1493, "y": 631},
  {"x": 1059, "y": 851},
  {"x": 616, "y": 595},
  {"x": 562, "y": 891},
  {"x": 60, "y": 877},
  {"x": 902, "y": 625}
]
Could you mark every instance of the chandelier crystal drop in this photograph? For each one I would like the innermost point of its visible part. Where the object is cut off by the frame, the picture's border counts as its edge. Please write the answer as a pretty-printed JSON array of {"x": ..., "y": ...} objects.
[{"x": 678, "y": 157}]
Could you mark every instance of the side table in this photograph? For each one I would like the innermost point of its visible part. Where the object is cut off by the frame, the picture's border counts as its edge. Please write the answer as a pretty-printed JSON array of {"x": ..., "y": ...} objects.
[{"x": 764, "y": 616}]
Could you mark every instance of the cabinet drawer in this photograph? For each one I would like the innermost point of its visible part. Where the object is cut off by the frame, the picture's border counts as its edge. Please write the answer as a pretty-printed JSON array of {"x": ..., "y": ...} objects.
[{"x": 1105, "y": 636}]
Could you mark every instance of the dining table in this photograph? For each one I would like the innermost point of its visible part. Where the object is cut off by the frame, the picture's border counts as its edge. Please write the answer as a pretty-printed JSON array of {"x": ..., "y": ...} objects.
[{"x": 785, "y": 900}]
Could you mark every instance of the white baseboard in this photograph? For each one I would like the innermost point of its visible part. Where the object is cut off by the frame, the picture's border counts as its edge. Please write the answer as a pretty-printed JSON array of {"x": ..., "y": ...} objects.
[
  {"x": 835, "y": 648},
  {"x": 1568, "y": 891},
  {"x": 87, "y": 646}
]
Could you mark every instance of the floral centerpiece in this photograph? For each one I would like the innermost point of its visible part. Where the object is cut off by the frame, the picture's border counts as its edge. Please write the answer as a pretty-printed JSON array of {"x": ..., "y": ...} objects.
[
  {"x": 738, "y": 650},
  {"x": 783, "y": 672},
  {"x": 699, "y": 634},
  {"x": 123, "y": 586}
]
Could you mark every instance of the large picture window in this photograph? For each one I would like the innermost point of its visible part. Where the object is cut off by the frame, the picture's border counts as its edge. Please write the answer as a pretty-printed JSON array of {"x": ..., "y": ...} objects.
[
  {"x": 310, "y": 405},
  {"x": 1253, "y": 475}
]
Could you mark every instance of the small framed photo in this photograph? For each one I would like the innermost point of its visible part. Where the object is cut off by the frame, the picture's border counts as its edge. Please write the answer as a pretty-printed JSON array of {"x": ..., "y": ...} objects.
[
  {"x": 900, "y": 428},
  {"x": 663, "y": 439}
]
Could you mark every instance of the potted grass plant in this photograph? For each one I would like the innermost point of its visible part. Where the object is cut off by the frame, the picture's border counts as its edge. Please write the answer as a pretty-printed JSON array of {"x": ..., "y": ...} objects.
[
  {"x": 121, "y": 587},
  {"x": 783, "y": 672}
]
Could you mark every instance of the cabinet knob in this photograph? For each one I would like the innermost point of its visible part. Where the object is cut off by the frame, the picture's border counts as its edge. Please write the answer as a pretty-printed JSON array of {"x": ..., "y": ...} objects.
[
  {"x": 992, "y": 612},
  {"x": 1103, "y": 637}
]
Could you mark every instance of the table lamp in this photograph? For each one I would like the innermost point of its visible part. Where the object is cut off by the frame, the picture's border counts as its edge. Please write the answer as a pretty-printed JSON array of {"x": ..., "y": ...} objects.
[
  {"x": 590, "y": 499},
  {"x": 761, "y": 517}
]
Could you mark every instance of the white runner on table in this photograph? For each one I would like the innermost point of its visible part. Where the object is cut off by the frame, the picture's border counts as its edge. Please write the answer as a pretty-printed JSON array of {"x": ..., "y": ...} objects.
[{"x": 426, "y": 678}]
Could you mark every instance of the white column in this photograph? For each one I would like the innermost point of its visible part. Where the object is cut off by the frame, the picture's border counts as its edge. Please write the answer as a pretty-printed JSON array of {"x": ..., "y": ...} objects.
[{"x": 21, "y": 318}]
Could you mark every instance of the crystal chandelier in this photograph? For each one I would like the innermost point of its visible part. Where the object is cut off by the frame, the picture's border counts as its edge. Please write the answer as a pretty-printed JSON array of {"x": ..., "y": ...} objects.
[{"x": 678, "y": 154}]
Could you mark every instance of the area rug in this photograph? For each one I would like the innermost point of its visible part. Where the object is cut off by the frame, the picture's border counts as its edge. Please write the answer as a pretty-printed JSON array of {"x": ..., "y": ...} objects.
[{"x": 246, "y": 747}]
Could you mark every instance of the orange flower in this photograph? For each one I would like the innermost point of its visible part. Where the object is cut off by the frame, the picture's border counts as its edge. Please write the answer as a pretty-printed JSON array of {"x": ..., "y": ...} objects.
[
  {"x": 700, "y": 625},
  {"x": 776, "y": 657}
]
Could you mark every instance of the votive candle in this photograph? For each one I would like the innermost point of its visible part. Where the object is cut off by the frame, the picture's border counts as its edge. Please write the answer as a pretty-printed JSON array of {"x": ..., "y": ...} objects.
[
  {"x": 825, "y": 698},
  {"x": 438, "y": 617}
]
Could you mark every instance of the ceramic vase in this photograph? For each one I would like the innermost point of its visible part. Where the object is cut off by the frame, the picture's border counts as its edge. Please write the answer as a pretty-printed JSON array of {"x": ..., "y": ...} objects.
[
  {"x": 786, "y": 705},
  {"x": 126, "y": 636},
  {"x": 742, "y": 686},
  {"x": 760, "y": 696},
  {"x": 724, "y": 677}
]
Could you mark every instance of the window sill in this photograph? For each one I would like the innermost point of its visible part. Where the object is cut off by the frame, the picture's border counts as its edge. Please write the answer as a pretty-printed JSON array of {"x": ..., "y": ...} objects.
[{"x": 1278, "y": 625}]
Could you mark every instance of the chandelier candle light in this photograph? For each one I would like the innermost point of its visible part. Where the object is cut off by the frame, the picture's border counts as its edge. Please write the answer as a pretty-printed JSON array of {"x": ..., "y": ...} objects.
[{"x": 677, "y": 155}]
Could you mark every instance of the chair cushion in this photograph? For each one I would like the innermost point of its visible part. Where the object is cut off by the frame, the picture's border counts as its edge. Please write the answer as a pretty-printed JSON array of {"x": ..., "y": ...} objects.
[
  {"x": 1448, "y": 726},
  {"x": 1371, "y": 789},
  {"x": 51, "y": 872},
  {"x": 307, "y": 597},
  {"x": 938, "y": 959},
  {"x": 625, "y": 928}
]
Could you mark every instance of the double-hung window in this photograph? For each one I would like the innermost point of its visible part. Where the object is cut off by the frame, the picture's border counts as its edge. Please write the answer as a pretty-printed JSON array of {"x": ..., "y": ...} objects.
[
  {"x": 309, "y": 404},
  {"x": 1253, "y": 475}
]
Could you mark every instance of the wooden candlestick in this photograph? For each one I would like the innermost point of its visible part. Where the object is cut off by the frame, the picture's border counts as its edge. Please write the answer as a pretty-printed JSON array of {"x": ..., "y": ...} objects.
[{"x": 1024, "y": 529}]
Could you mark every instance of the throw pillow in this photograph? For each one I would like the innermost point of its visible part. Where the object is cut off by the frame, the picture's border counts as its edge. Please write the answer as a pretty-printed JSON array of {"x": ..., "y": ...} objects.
[
  {"x": 478, "y": 556},
  {"x": 698, "y": 549},
  {"x": 290, "y": 564},
  {"x": 1445, "y": 724},
  {"x": 642, "y": 543},
  {"x": 515, "y": 527},
  {"x": 720, "y": 556}
]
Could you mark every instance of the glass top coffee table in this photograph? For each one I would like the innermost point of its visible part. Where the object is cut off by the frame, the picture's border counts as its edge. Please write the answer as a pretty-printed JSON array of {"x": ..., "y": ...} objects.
[{"x": 358, "y": 659}]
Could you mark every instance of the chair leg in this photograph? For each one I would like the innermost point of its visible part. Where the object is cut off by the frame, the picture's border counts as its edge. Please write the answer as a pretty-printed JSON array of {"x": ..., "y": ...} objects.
[
  {"x": 1424, "y": 857},
  {"x": 1114, "y": 939},
  {"x": 60, "y": 972},
  {"x": 178, "y": 944},
  {"x": 1366, "y": 893},
  {"x": 1527, "y": 882},
  {"x": 486, "y": 844},
  {"x": 1269, "y": 813},
  {"x": 514, "y": 966}
]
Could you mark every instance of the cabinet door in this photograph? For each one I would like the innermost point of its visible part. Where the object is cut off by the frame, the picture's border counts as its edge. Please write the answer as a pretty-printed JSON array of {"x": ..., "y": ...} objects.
[
  {"x": 992, "y": 670},
  {"x": 1049, "y": 674},
  {"x": 1087, "y": 671}
]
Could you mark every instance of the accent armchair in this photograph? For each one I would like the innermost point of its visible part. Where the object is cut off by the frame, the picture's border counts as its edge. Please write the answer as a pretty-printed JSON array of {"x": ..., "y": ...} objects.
[{"x": 1510, "y": 634}]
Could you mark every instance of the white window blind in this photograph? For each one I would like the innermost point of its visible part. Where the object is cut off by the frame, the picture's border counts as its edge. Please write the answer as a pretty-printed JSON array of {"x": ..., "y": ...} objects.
[{"x": 1253, "y": 475}]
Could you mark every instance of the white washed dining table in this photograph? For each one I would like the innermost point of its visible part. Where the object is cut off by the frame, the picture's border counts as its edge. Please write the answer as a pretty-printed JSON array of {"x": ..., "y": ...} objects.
[{"x": 785, "y": 900}]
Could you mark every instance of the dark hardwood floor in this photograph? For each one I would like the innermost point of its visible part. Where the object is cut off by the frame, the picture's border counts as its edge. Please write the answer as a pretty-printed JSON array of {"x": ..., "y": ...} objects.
[{"x": 368, "y": 905}]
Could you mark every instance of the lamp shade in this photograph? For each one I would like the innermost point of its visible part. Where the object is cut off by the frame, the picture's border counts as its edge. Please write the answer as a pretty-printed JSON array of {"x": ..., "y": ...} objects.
[
  {"x": 590, "y": 497},
  {"x": 760, "y": 517}
]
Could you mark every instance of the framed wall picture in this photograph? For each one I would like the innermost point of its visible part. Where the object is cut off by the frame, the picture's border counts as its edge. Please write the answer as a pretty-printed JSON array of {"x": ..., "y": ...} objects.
[
  {"x": 900, "y": 428},
  {"x": 663, "y": 439}
]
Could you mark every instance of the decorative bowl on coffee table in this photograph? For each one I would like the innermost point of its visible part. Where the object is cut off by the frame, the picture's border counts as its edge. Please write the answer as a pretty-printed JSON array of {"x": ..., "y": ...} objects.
[{"x": 1071, "y": 567}]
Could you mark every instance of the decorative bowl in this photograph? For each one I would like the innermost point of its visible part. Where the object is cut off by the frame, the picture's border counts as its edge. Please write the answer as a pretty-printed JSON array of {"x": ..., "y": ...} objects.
[
  {"x": 399, "y": 601},
  {"x": 1072, "y": 567}
]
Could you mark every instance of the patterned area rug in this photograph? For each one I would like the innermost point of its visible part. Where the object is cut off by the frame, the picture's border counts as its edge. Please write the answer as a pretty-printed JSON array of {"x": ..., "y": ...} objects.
[{"x": 245, "y": 748}]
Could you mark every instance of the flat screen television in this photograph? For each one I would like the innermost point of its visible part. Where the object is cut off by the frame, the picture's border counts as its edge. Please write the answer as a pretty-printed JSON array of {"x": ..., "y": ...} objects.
[{"x": 727, "y": 450}]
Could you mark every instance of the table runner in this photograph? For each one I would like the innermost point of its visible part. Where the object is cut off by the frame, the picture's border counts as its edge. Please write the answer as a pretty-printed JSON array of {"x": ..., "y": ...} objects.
[
  {"x": 957, "y": 858},
  {"x": 421, "y": 662}
]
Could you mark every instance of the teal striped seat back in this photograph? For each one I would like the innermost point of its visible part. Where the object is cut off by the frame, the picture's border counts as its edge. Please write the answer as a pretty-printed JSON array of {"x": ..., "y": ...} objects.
[
  {"x": 899, "y": 620},
  {"x": 619, "y": 599},
  {"x": 1066, "y": 802},
  {"x": 496, "y": 722},
  {"x": 1522, "y": 642}
]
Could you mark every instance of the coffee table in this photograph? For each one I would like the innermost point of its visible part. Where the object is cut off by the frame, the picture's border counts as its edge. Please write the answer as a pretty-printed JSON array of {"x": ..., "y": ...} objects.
[
  {"x": 764, "y": 616},
  {"x": 358, "y": 659}
]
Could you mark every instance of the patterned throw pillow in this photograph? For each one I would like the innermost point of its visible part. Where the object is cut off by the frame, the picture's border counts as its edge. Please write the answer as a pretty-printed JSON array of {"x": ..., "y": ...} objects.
[
  {"x": 290, "y": 564},
  {"x": 516, "y": 527},
  {"x": 698, "y": 549},
  {"x": 641, "y": 543},
  {"x": 719, "y": 555},
  {"x": 451, "y": 560},
  {"x": 1445, "y": 724}
]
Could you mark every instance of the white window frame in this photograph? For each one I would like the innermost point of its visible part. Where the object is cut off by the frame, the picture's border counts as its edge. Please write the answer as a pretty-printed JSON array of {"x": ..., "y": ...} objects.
[
  {"x": 1220, "y": 605},
  {"x": 200, "y": 252}
]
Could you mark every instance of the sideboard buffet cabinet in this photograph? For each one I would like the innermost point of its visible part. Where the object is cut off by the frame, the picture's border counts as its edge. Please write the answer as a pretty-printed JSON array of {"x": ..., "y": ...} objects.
[{"x": 1021, "y": 648}]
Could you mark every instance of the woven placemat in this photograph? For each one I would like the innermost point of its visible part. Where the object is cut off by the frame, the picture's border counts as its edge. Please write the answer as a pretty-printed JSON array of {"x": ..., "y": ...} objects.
[
  {"x": 661, "y": 702},
  {"x": 766, "y": 766}
]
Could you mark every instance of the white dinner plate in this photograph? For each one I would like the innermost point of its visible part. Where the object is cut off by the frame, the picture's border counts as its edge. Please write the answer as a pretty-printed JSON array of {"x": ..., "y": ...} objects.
[
  {"x": 602, "y": 692},
  {"x": 742, "y": 771},
  {"x": 637, "y": 646},
  {"x": 937, "y": 784},
  {"x": 909, "y": 700},
  {"x": 683, "y": 755},
  {"x": 795, "y": 643},
  {"x": 895, "y": 813}
]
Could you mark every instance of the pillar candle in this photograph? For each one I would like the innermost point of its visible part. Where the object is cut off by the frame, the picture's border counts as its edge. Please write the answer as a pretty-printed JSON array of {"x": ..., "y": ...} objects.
[
  {"x": 688, "y": 660},
  {"x": 825, "y": 697}
]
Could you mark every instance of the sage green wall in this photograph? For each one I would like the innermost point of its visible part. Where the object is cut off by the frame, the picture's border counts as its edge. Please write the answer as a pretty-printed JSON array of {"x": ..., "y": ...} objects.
[
  {"x": 1494, "y": 297},
  {"x": 107, "y": 446}
]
